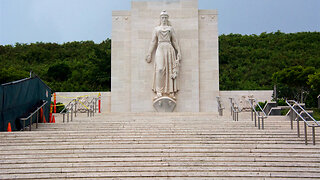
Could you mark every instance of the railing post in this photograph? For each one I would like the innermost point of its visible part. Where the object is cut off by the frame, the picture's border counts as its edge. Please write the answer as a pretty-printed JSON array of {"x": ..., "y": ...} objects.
[
  {"x": 251, "y": 104},
  {"x": 63, "y": 116},
  {"x": 298, "y": 127},
  {"x": 37, "y": 119},
  {"x": 233, "y": 115},
  {"x": 255, "y": 119},
  {"x": 24, "y": 125},
  {"x": 237, "y": 115},
  {"x": 71, "y": 113},
  {"x": 291, "y": 118},
  {"x": 259, "y": 117},
  {"x": 30, "y": 123},
  {"x": 75, "y": 108},
  {"x": 95, "y": 104},
  {"x": 313, "y": 135},
  {"x": 93, "y": 109},
  {"x": 67, "y": 116},
  {"x": 231, "y": 105},
  {"x": 305, "y": 133},
  {"x": 262, "y": 122},
  {"x": 88, "y": 112}
]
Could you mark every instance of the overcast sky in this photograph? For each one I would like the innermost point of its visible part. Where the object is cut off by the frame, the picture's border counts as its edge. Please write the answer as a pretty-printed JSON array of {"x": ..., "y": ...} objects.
[{"x": 27, "y": 21}]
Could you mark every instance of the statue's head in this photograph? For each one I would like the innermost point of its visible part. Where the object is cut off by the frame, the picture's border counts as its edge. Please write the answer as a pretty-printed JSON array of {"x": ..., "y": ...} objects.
[
  {"x": 164, "y": 18},
  {"x": 164, "y": 13}
]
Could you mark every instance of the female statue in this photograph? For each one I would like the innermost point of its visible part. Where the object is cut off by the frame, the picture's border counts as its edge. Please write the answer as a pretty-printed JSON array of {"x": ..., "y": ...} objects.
[{"x": 167, "y": 58}]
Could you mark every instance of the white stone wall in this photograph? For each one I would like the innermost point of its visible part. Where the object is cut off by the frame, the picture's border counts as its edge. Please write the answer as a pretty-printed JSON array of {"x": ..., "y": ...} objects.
[
  {"x": 265, "y": 95},
  {"x": 199, "y": 71},
  {"x": 66, "y": 97},
  {"x": 241, "y": 97},
  {"x": 209, "y": 60},
  {"x": 183, "y": 17},
  {"x": 120, "y": 63}
]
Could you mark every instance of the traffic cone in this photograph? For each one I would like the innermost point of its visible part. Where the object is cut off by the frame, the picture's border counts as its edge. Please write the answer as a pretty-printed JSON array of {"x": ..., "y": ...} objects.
[
  {"x": 50, "y": 118},
  {"x": 9, "y": 127},
  {"x": 53, "y": 119}
]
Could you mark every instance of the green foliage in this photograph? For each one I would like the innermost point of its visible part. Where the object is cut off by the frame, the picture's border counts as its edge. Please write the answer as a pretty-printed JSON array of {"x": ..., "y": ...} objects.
[
  {"x": 298, "y": 83},
  {"x": 293, "y": 82},
  {"x": 262, "y": 104},
  {"x": 72, "y": 66},
  {"x": 284, "y": 111},
  {"x": 247, "y": 62},
  {"x": 316, "y": 114},
  {"x": 314, "y": 81},
  {"x": 11, "y": 74},
  {"x": 59, "y": 72},
  {"x": 281, "y": 102},
  {"x": 59, "y": 107}
]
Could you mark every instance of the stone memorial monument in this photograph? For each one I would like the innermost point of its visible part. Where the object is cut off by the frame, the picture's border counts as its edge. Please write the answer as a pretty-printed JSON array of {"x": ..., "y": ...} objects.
[
  {"x": 166, "y": 64},
  {"x": 182, "y": 69}
]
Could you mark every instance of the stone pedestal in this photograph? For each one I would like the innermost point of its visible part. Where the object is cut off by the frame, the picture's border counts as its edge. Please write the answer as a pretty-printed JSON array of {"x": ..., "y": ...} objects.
[
  {"x": 131, "y": 76},
  {"x": 164, "y": 104}
]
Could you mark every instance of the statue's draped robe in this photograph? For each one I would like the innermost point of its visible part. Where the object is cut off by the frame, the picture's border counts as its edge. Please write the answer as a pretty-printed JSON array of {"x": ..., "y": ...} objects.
[{"x": 165, "y": 59}]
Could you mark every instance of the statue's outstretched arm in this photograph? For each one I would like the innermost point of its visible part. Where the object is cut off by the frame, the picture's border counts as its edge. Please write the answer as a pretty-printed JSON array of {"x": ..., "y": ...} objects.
[{"x": 153, "y": 45}]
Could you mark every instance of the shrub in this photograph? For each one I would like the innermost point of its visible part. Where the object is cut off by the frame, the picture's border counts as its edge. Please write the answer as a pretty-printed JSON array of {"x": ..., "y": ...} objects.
[
  {"x": 59, "y": 108},
  {"x": 262, "y": 104}
]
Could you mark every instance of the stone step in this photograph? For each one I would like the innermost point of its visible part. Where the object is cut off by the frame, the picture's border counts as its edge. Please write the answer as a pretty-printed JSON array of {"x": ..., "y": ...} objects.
[
  {"x": 154, "y": 150},
  {"x": 150, "y": 139},
  {"x": 109, "y": 132},
  {"x": 311, "y": 165},
  {"x": 153, "y": 154},
  {"x": 161, "y": 158},
  {"x": 141, "y": 142},
  {"x": 159, "y": 146},
  {"x": 163, "y": 168},
  {"x": 162, "y": 174}
]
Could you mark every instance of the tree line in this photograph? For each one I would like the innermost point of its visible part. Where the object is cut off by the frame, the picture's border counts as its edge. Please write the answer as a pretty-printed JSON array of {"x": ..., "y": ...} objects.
[
  {"x": 72, "y": 66},
  {"x": 247, "y": 62}
]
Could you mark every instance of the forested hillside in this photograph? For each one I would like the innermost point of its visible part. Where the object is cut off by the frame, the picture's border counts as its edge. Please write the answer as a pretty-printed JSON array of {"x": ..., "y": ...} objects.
[
  {"x": 247, "y": 62},
  {"x": 72, "y": 66}
]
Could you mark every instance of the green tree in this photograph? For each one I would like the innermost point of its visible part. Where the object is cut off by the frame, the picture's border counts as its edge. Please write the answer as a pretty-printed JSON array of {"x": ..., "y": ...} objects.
[
  {"x": 295, "y": 77},
  {"x": 59, "y": 72}
]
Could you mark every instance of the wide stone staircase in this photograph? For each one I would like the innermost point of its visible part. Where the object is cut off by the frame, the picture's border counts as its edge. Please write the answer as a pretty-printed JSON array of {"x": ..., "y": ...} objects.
[{"x": 159, "y": 146}]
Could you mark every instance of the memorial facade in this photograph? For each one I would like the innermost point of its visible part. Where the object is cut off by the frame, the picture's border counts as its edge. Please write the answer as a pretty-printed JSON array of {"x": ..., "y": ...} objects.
[{"x": 133, "y": 80}]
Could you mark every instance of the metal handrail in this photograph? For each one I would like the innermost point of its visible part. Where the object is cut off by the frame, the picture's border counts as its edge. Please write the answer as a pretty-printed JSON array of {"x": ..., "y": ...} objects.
[
  {"x": 257, "y": 113},
  {"x": 30, "y": 116},
  {"x": 66, "y": 107},
  {"x": 265, "y": 115},
  {"x": 91, "y": 108},
  {"x": 220, "y": 108},
  {"x": 306, "y": 123},
  {"x": 318, "y": 124},
  {"x": 67, "y": 110},
  {"x": 234, "y": 109}
]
